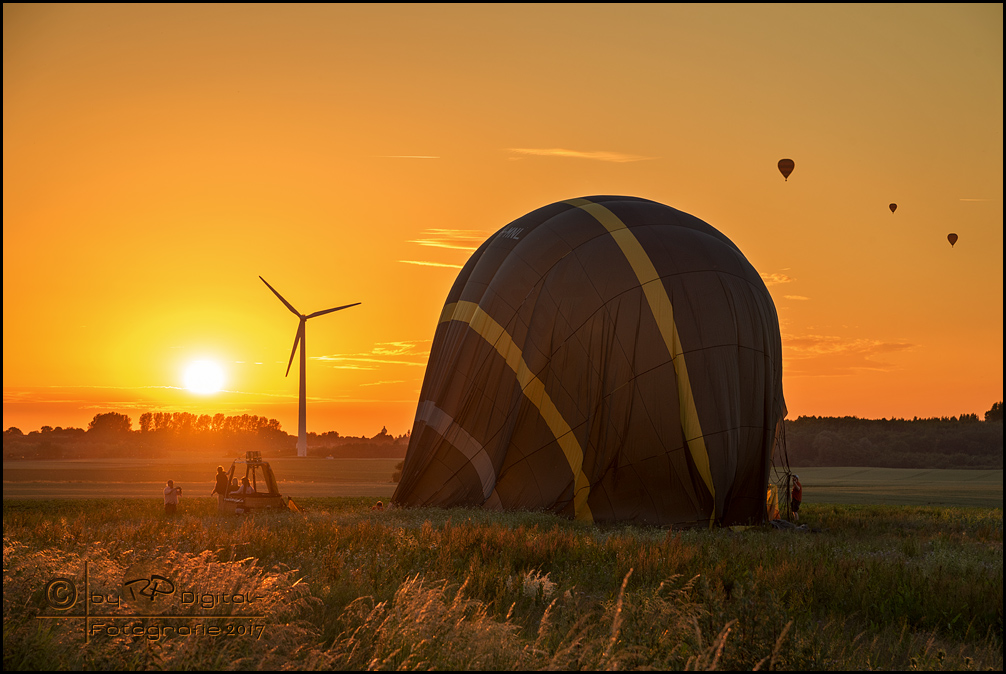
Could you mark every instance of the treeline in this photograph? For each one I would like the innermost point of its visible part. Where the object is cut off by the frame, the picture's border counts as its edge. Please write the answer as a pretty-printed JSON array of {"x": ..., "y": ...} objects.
[
  {"x": 944, "y": 442},
  {"x": 165, "y": 434}
]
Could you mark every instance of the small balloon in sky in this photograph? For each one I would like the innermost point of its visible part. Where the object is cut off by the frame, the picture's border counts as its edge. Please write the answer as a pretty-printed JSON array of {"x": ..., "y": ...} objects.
[
  {"x": 952, "y": 238},
  {"x": 786, "y": 167},
  {"x": 893, "y": 207}
]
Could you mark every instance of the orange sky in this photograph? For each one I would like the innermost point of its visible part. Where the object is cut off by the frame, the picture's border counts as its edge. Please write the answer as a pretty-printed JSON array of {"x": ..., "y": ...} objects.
[{"x": 158, "y": 159}]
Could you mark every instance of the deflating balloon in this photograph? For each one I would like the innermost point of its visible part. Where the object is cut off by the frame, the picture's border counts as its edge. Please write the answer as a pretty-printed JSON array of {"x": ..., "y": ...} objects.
[
  {"x": 893, "y": 207},
  {"x": 952, "y": 238},
  {"x": 786, "y": 167},
  {"x": 608, "y": 359}
]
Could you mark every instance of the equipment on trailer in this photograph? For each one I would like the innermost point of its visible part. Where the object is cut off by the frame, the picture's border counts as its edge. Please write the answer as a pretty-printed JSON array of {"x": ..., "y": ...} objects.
[{"x": 256, "y": 489}]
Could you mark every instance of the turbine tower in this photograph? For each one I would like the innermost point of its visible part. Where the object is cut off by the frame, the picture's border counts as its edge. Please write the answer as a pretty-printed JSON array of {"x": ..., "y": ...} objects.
[{"x": 299, "y": 341}]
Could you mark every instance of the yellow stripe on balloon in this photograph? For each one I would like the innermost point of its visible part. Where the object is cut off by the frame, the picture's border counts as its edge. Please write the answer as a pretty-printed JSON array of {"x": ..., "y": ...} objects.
[
  {"x": 663, "y": 313},
  {"x": 533, "y": 389}
]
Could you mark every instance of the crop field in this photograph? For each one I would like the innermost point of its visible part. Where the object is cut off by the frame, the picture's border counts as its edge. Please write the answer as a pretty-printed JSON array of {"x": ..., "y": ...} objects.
[
  {"x": 903, "y": 486},
  {"x": 145, "y": 478},
  {"x": 307, "y": 477},
  {"x": 341, "y": 586}
]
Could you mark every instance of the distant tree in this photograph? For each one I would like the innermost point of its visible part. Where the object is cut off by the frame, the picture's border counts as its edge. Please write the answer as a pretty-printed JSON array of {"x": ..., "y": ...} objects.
[
  {"x": 182, "y": 422},
  {"x": 13, "y": 432},
  {"x": 162, "y": 421},
  {"x": 204, "y": 423},
  {"x": 996, "y": 413},
  {"x": 146, "y": 422},
  {"x": 110, "y": 424}
]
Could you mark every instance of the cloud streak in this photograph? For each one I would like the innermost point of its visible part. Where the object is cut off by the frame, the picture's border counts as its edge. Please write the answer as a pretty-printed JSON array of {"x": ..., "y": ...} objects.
[
  {"x": 616, "y": 157},
  {"x": 427, "y": 263},
  {"x": 383, "y": 353},
  {"x": 775, "y": 279},
  {"x": 814, "y": 355},
  {"x": 467, "y": 240},
  {"x": 454, "y": 239}
]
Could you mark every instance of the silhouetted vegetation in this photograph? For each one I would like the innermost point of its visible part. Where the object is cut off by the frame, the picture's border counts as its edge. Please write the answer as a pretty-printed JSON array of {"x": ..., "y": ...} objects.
[
  {"x": 941, "y": 442},
  {"x": 164, "y": 434}
]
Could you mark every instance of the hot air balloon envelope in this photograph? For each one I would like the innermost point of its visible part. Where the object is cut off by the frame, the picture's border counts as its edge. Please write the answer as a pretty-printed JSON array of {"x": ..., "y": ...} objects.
[
  {"x": 893, "y": 207},
  {"x": 608, "y": 359},
  {"x": 952, "y": 238},
  {"x": 786, "y": 167}
]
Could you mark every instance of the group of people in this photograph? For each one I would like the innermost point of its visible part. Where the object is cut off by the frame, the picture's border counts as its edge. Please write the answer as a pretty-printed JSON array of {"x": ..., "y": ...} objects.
[{"x": 221, "y": 489}]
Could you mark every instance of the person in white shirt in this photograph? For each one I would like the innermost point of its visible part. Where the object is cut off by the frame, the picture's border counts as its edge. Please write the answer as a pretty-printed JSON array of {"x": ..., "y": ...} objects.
[
  {"x": 171, "y": 494},
  {"x": 245, "y": 487}
]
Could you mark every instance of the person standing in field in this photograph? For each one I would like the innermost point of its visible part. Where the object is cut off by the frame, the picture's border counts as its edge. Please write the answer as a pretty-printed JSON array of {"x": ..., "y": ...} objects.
[
  {"x": 797, "y": 498},
  {"x": 221, "y": 488},
  {"x": 171, "y": 494}
]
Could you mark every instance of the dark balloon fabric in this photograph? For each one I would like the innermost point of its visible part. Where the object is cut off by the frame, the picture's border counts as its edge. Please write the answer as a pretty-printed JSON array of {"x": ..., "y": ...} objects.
[{"x": 606, "y": 358}]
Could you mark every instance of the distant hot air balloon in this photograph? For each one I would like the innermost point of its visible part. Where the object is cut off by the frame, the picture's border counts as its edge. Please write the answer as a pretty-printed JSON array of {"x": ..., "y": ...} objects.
[
  {"x": 893, "y": 207},
  {"x": 952, "y": 238},
  {"x": 786, "y": 167}
]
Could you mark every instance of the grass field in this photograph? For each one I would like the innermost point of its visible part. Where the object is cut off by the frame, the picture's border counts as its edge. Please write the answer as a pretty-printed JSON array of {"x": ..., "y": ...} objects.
[
  {"x": 195, "y": 472},
  {"x": 310, "y": 477},
  {"x": 138, "y": 478},
  {"x": 897, "y": 569},
  {"x": 340, "y": 586},
  {"x": 903, "y": 486}
]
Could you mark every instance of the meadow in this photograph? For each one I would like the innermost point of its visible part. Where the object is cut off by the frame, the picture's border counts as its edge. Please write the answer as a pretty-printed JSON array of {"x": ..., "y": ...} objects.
[
  {"x": 145, "y": 478},
  {"x": 307, "y": 477},
  {"x": 341, "y": 586}
]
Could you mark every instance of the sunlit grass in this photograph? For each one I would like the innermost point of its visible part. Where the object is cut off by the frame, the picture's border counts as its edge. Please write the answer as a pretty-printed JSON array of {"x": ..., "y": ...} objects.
[{"x": 345, "y": 587}]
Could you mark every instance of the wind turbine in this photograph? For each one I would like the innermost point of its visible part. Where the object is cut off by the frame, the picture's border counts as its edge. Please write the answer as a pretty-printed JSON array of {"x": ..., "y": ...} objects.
[{"x": 299, "y": 340}]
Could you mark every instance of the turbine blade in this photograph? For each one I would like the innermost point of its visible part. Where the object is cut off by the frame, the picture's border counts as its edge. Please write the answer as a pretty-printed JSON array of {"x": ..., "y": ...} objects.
[
  {"x": 328, "y": 311},
  {"x": 281, "y": 299},
  {"x": 296, "y": 343}
]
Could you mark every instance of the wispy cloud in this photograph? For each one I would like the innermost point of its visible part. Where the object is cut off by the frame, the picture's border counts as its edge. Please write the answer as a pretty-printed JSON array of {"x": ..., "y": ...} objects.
[
  {"x": 816, "y": 355},
  {"x": 407, "y": 156},
  {"x": 408, "y": 353},
  {"x": 617, "y": 157},
  {"x": 424, "y": 263},
  {"x": 775, "y": 279},
  {"x": 467, "y": 240},
  {"x": 795, "y": 297},
  {"x": 399, "y": 349},
  {"x": 978, "y": 200},
  {"x": 455, "y": 239}
]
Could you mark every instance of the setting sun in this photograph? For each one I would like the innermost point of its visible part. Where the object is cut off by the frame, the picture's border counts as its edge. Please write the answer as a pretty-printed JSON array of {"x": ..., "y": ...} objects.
[{"x": 204, "y": 376}]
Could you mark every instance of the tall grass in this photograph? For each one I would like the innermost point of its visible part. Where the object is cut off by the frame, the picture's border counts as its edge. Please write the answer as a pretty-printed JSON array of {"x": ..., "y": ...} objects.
[{"x": 344, "y": 587}]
